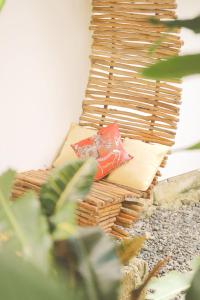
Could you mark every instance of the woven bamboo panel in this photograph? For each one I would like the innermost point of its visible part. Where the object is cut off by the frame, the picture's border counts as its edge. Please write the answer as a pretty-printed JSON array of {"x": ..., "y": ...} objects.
[
  {"x": 123, "y": 44},
  {"x": 108, "y": 206}
]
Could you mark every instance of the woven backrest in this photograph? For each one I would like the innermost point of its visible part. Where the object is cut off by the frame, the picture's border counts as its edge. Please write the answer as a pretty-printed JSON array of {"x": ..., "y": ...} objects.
[{"x": 124, "y": 42}]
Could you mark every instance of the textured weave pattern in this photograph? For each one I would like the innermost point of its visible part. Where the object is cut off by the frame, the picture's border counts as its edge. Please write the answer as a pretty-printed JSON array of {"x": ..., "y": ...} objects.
[{"x": 124, "y": 42}]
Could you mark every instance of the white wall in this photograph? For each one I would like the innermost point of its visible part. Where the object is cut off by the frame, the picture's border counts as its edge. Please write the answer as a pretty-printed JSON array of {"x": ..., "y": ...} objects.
[
  {"x": 44, "y": 48},
  {"x": 189, "y": 126}
]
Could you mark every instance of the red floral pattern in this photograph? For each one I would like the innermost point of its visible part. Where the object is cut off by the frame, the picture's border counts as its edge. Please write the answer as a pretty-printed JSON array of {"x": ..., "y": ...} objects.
[{"x": 106, "y": 147}]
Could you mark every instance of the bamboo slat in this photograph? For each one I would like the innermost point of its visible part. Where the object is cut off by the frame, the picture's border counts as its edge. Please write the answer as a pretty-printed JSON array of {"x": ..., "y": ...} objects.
[
  {"x": 122, "y": 38},
  {"x": 102, "y": 207},
  {"x": 123, "y": 44}
]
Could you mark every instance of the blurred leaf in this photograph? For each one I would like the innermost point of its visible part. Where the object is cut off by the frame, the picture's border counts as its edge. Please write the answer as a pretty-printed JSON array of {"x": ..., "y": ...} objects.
[
  {"x": 190, "y": 148},
  {"x": 152, "y": 49},
  {"x": 129, "y": 248},
  {"x": 6, "y": 182},
  {"x": 195, "y": 264},
  {"x": 22, "y": 226},
  {"x": 64, "y": 221},
  {"x": 194, "y": 147},
  {"x": 89, "y": 259},
  {"x": 20, "y": 280},
  {"x": 140, "y": 293},
  {"x": 169, "y": 286},
  {"x": 193, "y": 24},
  {"x": 194, "y": 291},
  {"x": 68, "y": 183},
  {"x": 175, "y": 67},
  {"x": 2, "y": 2}
]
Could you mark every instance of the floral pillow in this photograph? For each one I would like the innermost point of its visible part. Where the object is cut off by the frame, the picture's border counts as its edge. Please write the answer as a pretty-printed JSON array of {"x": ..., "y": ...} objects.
[{"x": 106, "y": 147}]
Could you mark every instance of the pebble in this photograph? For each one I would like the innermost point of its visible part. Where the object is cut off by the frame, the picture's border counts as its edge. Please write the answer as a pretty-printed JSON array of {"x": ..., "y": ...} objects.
[{"x": 170, "y": 233}]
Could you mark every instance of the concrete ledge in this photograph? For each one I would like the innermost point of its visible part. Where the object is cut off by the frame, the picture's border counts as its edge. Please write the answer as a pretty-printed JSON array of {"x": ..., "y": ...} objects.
[{"x": 182, "y": 189}]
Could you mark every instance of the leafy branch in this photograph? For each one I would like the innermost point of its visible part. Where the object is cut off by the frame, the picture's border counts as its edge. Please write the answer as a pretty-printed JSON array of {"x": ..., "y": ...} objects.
[
  {"x": 2, "y": 2},
  {"x": 174, "y": 67},
  {"x": 179, "y": 66},
  {"x": 192, "y": 24}
]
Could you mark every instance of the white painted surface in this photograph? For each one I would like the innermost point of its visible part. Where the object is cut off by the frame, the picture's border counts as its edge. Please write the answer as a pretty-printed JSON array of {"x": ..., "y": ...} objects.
[
  {"x": 44, "y": 48},
  {"x": 189, "y": 126}
]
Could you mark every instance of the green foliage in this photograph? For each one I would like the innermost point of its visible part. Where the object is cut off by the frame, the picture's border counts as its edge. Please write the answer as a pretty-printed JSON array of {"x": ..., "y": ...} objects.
[
  {"x": 156, "y": 44},
  {"x": 90, "y": 262},
  {"x": 174, "y": 283},
  {"x": 194, "y": 147},
  {"x": 192, "y": 24},
  {"x": 20, "y": 280},
  {"x": 194, "y": 291},
  {"x": 169, "y": 286},
  {"x": 68, "y": 183},
  {"x": 83, "y": 264},
  {"x": 60, "y": 194},
  {"x": 174, "y": 67},
  {"x": 2, "y": 2},
  {"x": 22, "y": 226},
  {"x": 6, "y": 183},
  {"x": 179, "y": 66},
  {"x": 94, "y": 268},
  {"x": 85, "y": 260}
]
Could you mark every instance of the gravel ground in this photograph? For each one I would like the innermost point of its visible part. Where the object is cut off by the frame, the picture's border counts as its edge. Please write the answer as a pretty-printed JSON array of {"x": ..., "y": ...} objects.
[{"x": 173, "y": 233}]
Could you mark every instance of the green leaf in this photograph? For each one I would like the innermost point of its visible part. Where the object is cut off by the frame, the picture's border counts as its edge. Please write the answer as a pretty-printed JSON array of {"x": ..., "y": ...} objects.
[
  {"x": 169, "y": 286},
  {"x": 64, "y": 222},
  {"x": 194, "y": 147},
  {"x": 195, "y": 264},
  {"x": 6, "y": 182},
  {"x": 193, "y": 24},
  {"x": 89, "y": 259},
  {"x": 156, "y": 44},
  {"x": 2, "y": 2},
  {"x": 23, "y": 229},
  {"x": 190, "y": 148},
  {"x": 68, "y": 183},
  {"x": 175, "y": 67},
  {"x": 20, "y": 280},
  {"x": 60, "y": 194},
  {"x": 194, "y": 291}
]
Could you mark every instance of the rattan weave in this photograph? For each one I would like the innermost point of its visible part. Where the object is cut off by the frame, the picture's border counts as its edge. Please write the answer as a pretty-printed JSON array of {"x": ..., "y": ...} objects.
[{"x": 124, "y": 42}]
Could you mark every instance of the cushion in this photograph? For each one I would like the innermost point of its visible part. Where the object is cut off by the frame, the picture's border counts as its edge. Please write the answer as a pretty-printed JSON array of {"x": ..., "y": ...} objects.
[
  {"x": 75, "y": 133},
  {"x": 139, "y": 172},
  {"x": 106, "y": 147}
]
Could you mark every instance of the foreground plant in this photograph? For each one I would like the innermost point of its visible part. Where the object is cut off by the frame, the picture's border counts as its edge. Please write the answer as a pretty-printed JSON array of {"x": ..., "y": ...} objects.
[
  {"x": 23, "y": 226},
  {"x": 174, "y": 283},
  {"x": 178, "y": 66},
  {"x": 2, "y": 2},
  {"x": 44, "y": 253}
]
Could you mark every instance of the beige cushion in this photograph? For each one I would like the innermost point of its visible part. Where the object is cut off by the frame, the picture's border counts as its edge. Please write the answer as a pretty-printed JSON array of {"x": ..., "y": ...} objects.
[
  {"x": 76, "y": 133},
  {"x": 139, "y": 172}
]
